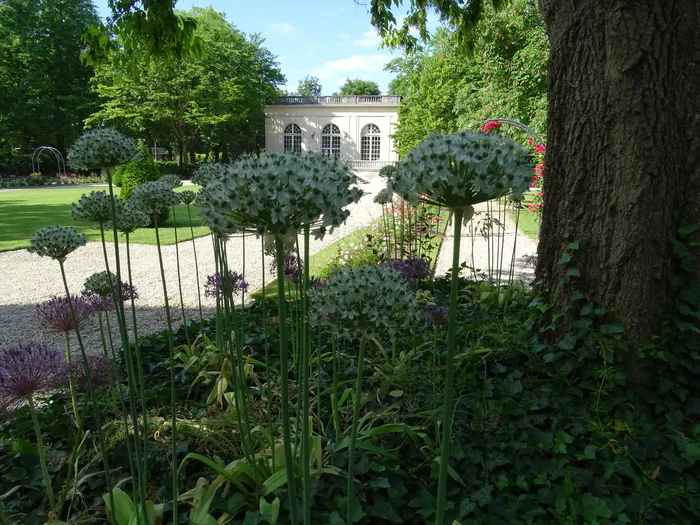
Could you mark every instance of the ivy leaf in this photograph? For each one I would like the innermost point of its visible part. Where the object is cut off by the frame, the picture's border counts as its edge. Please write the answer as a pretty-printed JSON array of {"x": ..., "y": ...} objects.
[
  {"x": 565, "y": 258},
  {"x": 380, "y": 483},
  {"x": 384, "y": 510},
  {"x": 561, "y": 441},
  {"x": 573, "y": 272},
  {"x": 573, "y": 245},
  {"x": 593, "y": 507},
  {"x": 482, "y": 497},
  {"x": 691, "y": 452}
]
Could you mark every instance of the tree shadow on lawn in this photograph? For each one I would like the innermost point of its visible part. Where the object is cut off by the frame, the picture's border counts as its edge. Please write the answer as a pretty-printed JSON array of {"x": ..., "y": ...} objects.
[{"x": 20, "y": 218}]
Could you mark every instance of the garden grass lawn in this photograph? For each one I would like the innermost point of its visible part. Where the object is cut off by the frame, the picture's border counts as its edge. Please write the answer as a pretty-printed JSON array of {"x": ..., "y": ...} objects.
[{"x": 24, "y": 212}]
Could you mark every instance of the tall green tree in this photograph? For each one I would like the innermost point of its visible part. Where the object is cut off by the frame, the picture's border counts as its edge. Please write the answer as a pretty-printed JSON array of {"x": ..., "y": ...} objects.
[
  {"x": 213, "y": 101},
  {"x": 309, "y": 87},
  {"x": 623, "y": 158},
  {"x": 356, "y": 86},
  {"x": 44, "y": 87}
]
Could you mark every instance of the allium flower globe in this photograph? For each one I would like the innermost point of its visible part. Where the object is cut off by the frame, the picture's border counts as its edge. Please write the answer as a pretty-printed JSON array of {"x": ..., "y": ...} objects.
[
  {"x": 30, "y": 369},
  {"x": 435, "y": 314},
  {"x": 154, "y": 197},
  {"x": 221, "y": 225},
  {"x": 187, "y": 196},
  {"x": 56, "y": 242},
  {"x": 130, "y": 218},
  {"x": 54, "y": 315},
  {"x": 207, "y": 172},
  {"x": 278, "y": 194},
  {"x": 172, "y": 180},
  {"x": 106, "y": 303},
  {"x": 385, "y": 196},
  {"x": 232, "y": 284},
  {"x": 95, "y": 207},
  {"x": 460, "y": 170},
  {"x": 410, "y": 269},
  {"x": 102, "y": 148},
  {"x": 101, "y": 370},
  {"x": 364, "y": 301}
]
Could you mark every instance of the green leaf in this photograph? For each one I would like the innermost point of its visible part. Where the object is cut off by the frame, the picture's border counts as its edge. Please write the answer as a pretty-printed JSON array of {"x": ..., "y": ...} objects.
[
  {"x": 271, "y": 511},
  {"x": 589, "y": 451},
  {"x": 384, "y": 510},
  {"x": 573, "y": 272},
  {"x": 573, "y": 245},
  {"x": 691, "y": 452},
  {"x": 565, "y": 258},
  {"x": 592, "y": 507}
]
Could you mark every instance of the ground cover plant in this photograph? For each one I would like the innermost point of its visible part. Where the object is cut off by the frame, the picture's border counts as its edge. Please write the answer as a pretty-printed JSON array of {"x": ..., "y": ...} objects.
[
  {"x": 21, "y": 212},
  {"x": 378, "y": 395}
]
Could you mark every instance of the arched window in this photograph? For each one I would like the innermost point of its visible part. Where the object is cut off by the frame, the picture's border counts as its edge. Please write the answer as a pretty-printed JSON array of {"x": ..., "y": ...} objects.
[
  {"x": 292, "y": 139},
  {"x": 369, "y": 147},
  {"x": 330, "y": 140}
]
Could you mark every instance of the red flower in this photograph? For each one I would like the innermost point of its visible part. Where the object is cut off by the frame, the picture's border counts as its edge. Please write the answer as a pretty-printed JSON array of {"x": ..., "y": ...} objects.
[{"x": 489, "y": 126}]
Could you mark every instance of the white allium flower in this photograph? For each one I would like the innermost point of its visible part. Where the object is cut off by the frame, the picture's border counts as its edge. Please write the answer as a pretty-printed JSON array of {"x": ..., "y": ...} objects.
[
  {"x": 101, "y": 283},
  {"x": 280, "y": 193},
  {"x": 154, "y": 197},
  {"x": 56, "y": 242},
  {"x": 102, "y": 148},
  {"x": 187, "y": 196},
  {"x": 130, "y": 218},
  {"x": 385, "y": 196},
  {"x": 221, "y": 225},
  {"x": 206, "y": 172},
  {"x": 463, "y": 169},
  {"x": 95, "y": 207},
  {"x": 171, "y": 180},
  {"x": 363, "y": 301}
]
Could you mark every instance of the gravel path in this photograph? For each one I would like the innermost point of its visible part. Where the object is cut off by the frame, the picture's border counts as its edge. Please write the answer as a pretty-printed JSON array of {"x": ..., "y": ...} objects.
[
  {"x": 490, "y": 254},
  {"x": 26, "y": 279}
]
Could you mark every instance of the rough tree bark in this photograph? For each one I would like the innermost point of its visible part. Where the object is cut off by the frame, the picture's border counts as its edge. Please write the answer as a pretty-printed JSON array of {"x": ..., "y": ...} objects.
[{"x": 623, "y": 157}]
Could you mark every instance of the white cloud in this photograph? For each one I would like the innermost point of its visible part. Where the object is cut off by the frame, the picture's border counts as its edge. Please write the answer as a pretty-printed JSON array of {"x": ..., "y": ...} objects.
[
  {"x": 369, "y": 39},
  {"x": 344, "y": 36},
  {"x": 352, "y": 65},
  {"x": 280, "y": 27},
  {"x": 281, "y": 59}
]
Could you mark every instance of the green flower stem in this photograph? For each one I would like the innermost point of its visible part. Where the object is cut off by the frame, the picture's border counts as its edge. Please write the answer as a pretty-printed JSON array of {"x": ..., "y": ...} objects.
[
  {"x": 173, "y": 389},
  {"x": 71, "y": 383},
  {"x": 140, "y": 481},
  {"x": 449, "y": 375},
  {"x": 91, "y": 388},
  {"x": 393, "y": 218},
  {"x": 403, "y": 231},
  {"x": 42, "y": 452},
  {"x": 196, "y": 270},
  {"x": 335, "y": 399},
  {"x": 79, "y": 439},
  {"x": 266, "y": 343},
  {"x": 353, "y": 433},
  {"x": 435, "y": 379},
  {"x": 284, "y": 373},
  {"x": 179, "y": 279},
  {"x": 306, "y": 373},
  {"x": 139, "y": 362}
]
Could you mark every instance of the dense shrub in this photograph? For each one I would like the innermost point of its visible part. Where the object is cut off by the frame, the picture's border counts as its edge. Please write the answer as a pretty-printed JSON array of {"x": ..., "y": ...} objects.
[{"x": 134, "y": 174}]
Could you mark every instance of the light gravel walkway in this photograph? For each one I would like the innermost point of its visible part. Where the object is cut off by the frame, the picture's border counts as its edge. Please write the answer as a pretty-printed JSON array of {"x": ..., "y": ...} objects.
[
  {"x": 486, "y": 246},
  {"x": 26, "y": 279}
]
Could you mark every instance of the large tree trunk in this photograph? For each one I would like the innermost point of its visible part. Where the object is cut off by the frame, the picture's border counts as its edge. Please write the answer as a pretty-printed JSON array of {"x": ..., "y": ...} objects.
[{"x": 623, "y": 158}]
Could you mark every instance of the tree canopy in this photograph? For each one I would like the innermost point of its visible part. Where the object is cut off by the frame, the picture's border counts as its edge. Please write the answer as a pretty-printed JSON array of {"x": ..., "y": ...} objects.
[
  {"x": 44, "y": 89},
  {"x": 210, "y": 102},
  {"x": 309, "y": 86},
  {"x": 356, "y": 86}
]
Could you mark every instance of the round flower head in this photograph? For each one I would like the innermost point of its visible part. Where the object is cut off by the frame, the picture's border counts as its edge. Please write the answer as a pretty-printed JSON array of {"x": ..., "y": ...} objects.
[
  {"x": 385, "y": 196},
  {"x": 187, "y": 196},
  {"x": 278, "y": 194},
  {"x": 105, "y": 303},
  {"x": 130, "y": 218},
  {"x": 54, "y": 315},
  {"x": 292, "y": 270},
  {"x": 435, "y": 314},
  {"x": 101, "y": 283},
  {"x": 101, "y": 370},
  {"x": 387, "y": 171},
  {"x": 102, "y": 148},
  {"x": 410, "y": 269},
  {"x": 171, "y": 180},
  {"x": 363, "y": 301},
  {"x": 154, "y": 197},
  {"x": 30, "y": 369},
  {"x": 56, "y": 242},
  {"x": 95, "y": 207},
  {"x": 220, "y": 225},
  {"x": 233, "y": 284},
  {"x": 460, "y": 170},
  {"x": 206, "y": 172}
]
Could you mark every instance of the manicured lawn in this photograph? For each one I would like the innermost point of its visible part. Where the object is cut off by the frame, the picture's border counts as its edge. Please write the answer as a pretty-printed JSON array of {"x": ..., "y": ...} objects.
[
  {"x": 528, "y": 223},
  {"x": 24, "y": 212}
]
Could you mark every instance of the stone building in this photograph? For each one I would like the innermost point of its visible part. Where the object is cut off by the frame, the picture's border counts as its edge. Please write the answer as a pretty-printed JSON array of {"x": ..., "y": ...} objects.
[{"x": 356, "y": 128}]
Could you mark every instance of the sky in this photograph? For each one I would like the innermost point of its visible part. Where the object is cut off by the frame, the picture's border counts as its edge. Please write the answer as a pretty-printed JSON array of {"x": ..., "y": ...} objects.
[{"x": 332, "y": 39}]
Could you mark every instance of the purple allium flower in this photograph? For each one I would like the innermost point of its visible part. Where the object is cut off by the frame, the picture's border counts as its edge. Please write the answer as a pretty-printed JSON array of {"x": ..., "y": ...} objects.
[
  {"x": 101, "y": 368},
  {"x": 411, "y": 269},
  {"x": 292, "y": 271},
  {"x": 108, "y": 303},
  {"x": 233, "y": 285},
  {"x": 435, "y": 314},
  {"x": 29, "y": 369},
  {"x": 54, "y": 314},
  {"x": 316, "y": 282}
]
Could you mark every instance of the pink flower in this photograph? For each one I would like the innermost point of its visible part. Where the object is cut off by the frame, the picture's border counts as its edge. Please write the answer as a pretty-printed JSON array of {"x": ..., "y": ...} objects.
[
  {"x": 489, "y": 126},
  {"x": 539, "y": 149}
]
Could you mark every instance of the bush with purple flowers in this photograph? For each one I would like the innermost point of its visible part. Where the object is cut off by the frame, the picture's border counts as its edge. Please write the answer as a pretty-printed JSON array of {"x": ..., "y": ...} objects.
[{"x": 233, "y": 284}]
